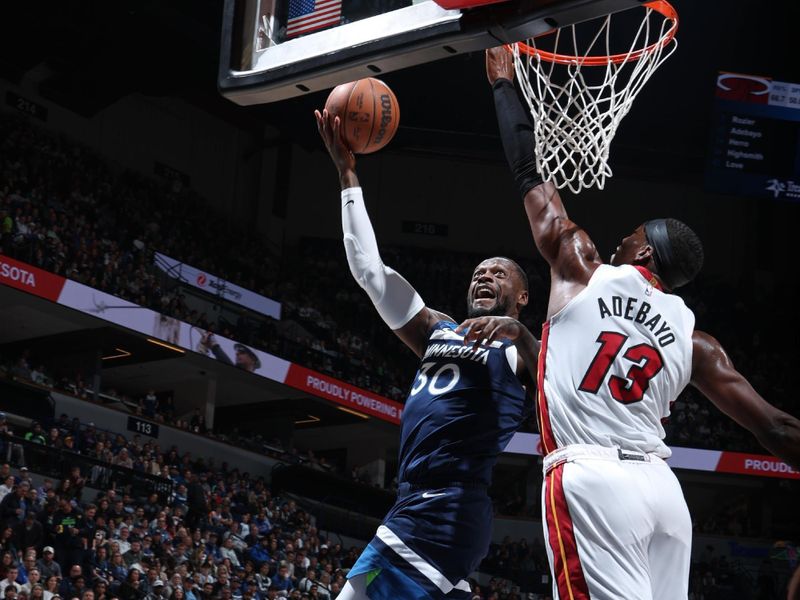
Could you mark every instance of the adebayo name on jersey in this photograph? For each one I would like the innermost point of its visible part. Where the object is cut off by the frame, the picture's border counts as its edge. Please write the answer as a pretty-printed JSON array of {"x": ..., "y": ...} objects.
[{"x": 637, "y": 311}]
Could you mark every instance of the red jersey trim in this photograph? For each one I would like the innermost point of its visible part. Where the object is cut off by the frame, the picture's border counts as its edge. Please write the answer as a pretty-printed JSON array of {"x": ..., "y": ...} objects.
[
  {"x": 651, "y": 279},
  {"x": 548, "y": 440},
  {"x": 567, "y": 569}
]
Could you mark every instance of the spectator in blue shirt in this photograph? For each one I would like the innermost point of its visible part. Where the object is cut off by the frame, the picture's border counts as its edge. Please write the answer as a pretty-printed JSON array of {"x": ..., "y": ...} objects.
[
  {"x": 262, "y": 524},
  {"x": 259, "y": 553},
  {"x": 212, "y": 549},
  {"x": 281, "y": 579}
]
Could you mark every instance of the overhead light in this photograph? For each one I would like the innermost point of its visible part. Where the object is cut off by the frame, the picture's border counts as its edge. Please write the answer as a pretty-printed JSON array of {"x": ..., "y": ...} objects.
[
  {"x": 167, "y": 346},
  {"x": 310, "y": 419},
  {"x": 121, "y": 354},
  {"x": 352, "y": 412}
]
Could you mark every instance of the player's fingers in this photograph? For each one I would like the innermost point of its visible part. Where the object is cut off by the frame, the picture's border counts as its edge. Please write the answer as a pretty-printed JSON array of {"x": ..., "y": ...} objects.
[
  {"x": 480, "y": 333},
  {"x": 337, "y": 129},
  {"x": 325, "y": 127},
  {"x": 464, "y": 325},
  {"x": 468, "y": 329},
  {"x": 470, "y": 334},
  {"x": 473, "y": 333},
  {"x": 480, "y": 340},
  {"x": 490, "y": 333}
]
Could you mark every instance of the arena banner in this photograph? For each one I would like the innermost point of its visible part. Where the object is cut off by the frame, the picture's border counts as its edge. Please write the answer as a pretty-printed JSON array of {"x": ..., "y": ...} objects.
[
  {"x": 754, "y": 464},
  {"x": 217, "y": 286},
  {"x": 693, "y": 459},
  {"x": 33, "y": 280},
  {"x": 189, "y": 337},
  {"x": 344, "y": 393}
]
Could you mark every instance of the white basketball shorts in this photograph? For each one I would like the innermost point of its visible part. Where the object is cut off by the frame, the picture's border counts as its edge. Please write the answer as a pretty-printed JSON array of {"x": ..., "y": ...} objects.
[{"x": 616, "y": 526}]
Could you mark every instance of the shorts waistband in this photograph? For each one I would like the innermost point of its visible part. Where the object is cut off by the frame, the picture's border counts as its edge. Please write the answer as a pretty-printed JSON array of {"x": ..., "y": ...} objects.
[
  {"x": 588, "y": 451},
  {"x": 432, "y": 484}
]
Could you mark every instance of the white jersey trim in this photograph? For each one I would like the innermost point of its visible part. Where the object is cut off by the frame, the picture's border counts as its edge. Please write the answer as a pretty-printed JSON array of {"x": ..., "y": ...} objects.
[{"x": 388, "y": 537}]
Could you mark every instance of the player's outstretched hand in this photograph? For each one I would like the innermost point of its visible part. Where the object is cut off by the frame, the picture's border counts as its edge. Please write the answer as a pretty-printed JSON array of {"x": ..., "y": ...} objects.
[
  {"x": 485, "y": 330},
  {"x": 499, "y": 64},
  {"x": 330, "y": 130}
]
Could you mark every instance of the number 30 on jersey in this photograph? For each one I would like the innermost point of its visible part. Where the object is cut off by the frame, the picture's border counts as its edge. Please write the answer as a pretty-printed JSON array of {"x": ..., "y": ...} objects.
[{"x": 439, "y": 382}]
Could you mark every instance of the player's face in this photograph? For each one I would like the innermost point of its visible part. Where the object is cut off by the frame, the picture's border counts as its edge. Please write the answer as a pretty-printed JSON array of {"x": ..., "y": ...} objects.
[
  {"x": 629, "y": 251},
  {"x": 494, "y": 289}
]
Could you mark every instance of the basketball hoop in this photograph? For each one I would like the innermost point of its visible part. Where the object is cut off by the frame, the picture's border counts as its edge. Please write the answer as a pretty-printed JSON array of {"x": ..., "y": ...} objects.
[{"x": 578, "y": 100}]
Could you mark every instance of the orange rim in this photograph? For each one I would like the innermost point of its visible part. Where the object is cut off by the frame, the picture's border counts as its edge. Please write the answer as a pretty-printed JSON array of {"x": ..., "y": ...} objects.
[{"x": 660, "y": 6}]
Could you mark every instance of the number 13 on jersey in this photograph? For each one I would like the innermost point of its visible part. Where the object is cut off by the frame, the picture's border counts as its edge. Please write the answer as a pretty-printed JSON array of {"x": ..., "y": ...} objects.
[{"x": 647, "y": 363}]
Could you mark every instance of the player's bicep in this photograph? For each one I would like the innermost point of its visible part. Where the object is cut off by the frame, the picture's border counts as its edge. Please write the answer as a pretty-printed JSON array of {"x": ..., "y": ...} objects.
[
  {"x": 415, "y": 333},
  {"x": 566, "y": 246}
]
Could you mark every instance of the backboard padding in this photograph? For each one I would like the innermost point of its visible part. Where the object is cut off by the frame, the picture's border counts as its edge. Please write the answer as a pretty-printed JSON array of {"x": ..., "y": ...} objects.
[{"x": 257, "y": 67}]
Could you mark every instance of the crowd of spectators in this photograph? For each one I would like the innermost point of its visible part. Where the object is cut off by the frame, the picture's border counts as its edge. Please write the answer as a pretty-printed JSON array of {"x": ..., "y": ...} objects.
[
  {"x": 220, "y": 534},
  {"x": 150, "y": 406},
  {"x": 67, "y": 210}
]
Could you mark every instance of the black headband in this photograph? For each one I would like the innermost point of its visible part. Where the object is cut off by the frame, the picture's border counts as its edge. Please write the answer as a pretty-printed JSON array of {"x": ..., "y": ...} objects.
[{"x": 668, "y": 268}]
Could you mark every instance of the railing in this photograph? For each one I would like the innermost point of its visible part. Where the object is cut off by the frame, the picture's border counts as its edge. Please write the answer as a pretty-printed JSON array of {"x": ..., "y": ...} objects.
[
  {"x": 57, "y": 463},
  {"x": 332, "y": 489}
]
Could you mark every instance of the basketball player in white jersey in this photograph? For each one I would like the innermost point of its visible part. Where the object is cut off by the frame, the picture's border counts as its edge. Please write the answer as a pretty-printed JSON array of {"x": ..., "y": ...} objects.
[{"x": 616, "y": 350}]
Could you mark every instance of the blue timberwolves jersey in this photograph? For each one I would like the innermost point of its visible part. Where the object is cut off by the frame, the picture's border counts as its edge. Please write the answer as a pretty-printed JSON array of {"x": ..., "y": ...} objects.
[{"x": 463, "y": 407}]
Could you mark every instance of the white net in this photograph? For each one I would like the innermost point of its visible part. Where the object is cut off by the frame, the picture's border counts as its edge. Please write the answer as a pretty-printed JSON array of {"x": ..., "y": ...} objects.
[{"x": 578, "y": 101}]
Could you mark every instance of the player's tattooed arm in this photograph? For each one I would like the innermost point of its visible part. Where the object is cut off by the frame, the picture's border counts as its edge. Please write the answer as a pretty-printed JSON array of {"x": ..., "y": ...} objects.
[
  {"x": 715, "y": 376},
  {"x": 566, "y": 246},
  {"x": 485, "y": 330}
]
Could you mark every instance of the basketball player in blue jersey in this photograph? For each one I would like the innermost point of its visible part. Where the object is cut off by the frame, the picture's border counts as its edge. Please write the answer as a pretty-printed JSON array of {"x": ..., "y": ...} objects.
[
  {"x": 465, "y": 403},
  {"x": 616, "y": 350}
]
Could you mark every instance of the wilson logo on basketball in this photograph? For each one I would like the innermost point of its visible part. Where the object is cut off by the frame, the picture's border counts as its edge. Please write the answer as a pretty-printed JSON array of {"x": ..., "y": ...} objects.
[{"x": 386, "y": 117}]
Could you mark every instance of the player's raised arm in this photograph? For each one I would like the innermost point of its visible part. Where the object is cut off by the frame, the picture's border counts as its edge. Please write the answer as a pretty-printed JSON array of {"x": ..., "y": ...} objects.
[
  {"x": 398, "y": 304},
  {"x": 715, "y": 376},
  {"x": 567, "y": 247}
]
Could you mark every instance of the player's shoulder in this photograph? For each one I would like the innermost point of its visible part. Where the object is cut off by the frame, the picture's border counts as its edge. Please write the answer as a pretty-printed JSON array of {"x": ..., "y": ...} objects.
[
  {"x": 443, "y": 328},
  {"x": 444, "y": 322}
]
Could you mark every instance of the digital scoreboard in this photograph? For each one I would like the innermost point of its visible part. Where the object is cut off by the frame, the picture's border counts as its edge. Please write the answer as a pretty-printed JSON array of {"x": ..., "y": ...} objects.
[{"x": 755, "y": 141}]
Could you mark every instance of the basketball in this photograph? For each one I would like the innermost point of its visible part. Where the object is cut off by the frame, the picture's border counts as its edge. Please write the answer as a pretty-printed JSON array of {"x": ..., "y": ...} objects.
[{"x": 369, "y": 112}]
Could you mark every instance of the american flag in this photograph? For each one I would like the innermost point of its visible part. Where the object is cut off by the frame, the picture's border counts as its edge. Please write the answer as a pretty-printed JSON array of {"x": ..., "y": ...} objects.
[{"x": 306, "y": 16}]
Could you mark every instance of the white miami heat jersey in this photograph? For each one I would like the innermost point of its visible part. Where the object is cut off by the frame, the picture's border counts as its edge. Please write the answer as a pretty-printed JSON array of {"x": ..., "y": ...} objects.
[{"x": 611, "y": 363}]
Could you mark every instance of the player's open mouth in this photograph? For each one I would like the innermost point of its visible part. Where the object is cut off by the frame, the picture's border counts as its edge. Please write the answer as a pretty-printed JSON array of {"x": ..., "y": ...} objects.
[{"x": 484, "y": 292}]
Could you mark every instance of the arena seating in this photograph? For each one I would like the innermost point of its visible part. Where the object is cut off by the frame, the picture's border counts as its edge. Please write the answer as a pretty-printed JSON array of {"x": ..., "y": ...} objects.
[{"x": 68, "y": 211}]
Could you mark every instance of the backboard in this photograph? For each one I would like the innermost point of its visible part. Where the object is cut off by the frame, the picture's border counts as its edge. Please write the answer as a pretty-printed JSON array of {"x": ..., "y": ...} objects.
[{"x": 277, "y": 49}]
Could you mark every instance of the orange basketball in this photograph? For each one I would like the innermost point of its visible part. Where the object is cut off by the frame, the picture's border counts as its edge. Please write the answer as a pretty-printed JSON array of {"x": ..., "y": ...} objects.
[{"x": 369, "y": 112}]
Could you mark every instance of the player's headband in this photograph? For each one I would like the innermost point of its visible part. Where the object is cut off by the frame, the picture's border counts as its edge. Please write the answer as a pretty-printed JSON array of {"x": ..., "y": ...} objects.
[{"x": 667, "y": 266}]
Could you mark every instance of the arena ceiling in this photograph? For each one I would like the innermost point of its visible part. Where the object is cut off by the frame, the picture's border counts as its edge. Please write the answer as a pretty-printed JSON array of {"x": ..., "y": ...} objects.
[{"x": 88, "y": 54}]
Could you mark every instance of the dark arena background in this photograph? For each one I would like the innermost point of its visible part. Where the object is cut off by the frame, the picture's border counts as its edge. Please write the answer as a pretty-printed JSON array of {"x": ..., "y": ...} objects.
[{"x": 195, "y": 392}]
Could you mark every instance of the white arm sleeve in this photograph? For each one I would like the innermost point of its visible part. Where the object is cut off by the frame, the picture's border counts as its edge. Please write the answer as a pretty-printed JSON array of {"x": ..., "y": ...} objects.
[{"x": 394, "y": 298}]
